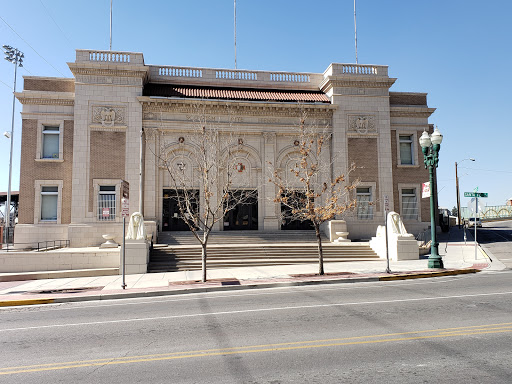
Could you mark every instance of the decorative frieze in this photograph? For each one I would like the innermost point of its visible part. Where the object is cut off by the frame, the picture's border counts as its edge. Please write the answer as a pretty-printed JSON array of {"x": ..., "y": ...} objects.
[{"x": 237, "y": 111}]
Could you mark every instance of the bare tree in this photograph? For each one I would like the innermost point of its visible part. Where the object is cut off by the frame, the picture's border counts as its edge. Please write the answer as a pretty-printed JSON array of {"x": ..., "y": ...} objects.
[
  {"x": 203, "y": 172},
  {"x": 305, "y": 188}
]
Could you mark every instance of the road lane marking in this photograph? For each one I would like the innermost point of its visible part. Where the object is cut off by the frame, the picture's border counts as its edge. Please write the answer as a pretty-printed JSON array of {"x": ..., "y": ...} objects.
[
  {"x": 309, "y": 344},
  {"x": 254, "y": 310}
]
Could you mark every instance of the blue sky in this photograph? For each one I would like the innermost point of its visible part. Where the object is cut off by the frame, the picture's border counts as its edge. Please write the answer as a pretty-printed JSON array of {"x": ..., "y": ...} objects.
[{"x": 457, "y": 51}]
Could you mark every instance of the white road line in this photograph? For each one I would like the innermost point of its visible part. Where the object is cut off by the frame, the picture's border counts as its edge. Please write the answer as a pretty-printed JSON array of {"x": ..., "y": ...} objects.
[{"x": 254, "y": 310}]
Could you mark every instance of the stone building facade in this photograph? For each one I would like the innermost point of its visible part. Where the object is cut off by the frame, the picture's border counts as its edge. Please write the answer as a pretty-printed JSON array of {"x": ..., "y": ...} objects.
[{"x": 83, "y": 136}]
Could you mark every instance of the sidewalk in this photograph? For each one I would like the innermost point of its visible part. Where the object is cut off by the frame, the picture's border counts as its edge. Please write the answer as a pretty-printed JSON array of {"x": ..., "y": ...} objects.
[{"x": 458, "y": 257}]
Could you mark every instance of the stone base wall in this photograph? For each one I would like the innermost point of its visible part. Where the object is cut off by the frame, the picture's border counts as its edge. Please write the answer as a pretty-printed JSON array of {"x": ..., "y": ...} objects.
[
  {"x": 28, "y": 235},
  {"x": 59, "y": 260}
]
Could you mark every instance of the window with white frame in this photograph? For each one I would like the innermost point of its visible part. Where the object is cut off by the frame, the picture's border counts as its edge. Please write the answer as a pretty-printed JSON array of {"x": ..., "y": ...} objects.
[
  {"x": 364, "y": 206},
  {"x": 406, "y": 149},
  {"x": 409, "y": 204},
  {"x": 50, "y": 142},
  {"x": 107, "y": 203},
  {"x": 49, "y": 202}
]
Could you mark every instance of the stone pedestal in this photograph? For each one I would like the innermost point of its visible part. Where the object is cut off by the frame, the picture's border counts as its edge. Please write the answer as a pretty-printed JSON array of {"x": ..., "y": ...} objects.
[
  {"x": 136, "y": 257},
  {"x": 403, "y": 247}
]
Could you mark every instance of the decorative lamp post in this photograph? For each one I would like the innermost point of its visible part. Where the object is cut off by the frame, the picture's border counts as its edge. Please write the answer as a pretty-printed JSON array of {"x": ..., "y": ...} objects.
[
  {"x": 430, "y": 145},
  {"x": 14, "y": 56},
  {"x": 457, "y": 188}
]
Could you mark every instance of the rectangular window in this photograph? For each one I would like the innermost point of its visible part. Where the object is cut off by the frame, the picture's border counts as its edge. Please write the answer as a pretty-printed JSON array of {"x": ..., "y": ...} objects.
[
  {"x": 107, "y": 203},
  {"x": 406, "y": 149},
  {"x": 51, "y": 136},
  {"x": 409, "y": 204},
  {"x": 49, "y": 198},
  {"x": 364, "y": 207}
]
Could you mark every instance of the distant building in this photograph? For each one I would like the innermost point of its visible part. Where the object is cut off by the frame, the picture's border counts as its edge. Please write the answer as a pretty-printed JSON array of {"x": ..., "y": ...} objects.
[{"x": 81, "y": 139}]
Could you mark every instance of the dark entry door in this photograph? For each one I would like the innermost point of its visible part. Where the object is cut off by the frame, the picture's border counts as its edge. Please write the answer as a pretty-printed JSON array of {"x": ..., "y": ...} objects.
[
  {"x": 289, "y": 222},
  {"x": 172, "y": 219},
  {"x": 244, "y": 216}
]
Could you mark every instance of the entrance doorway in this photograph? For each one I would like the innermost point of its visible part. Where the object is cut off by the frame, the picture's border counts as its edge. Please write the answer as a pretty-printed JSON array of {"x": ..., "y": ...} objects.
[
  {"x": 171, "y": 216},
  {"x": 288, "y": 222},
  {"x": 244, "y": 216}
]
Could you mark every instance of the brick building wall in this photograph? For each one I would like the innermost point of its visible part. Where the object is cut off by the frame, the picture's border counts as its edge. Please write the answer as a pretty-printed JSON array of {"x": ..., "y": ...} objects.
[
  {"x": 48, "y": 85},
  {"x": 37, "y": 169},
  {"x": 363, "y": 153},
  {"x": 107, "y": 157},
  {"x": 416, "y": 174}
]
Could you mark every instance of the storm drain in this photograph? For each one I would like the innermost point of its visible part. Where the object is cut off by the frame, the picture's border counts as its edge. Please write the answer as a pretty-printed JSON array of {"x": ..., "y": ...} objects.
[{"x": 64, "y": 290}]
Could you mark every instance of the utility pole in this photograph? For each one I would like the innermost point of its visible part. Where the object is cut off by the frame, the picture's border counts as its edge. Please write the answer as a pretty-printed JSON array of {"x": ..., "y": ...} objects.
[
  {"x": 14, "y": 56},
  {"x": 458, "y": 194}
]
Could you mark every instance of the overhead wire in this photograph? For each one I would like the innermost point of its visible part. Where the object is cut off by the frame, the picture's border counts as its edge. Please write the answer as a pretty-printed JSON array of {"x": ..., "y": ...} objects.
[
  {"x": 57, "y": 25},
  {"x": 26, "y": 42}
]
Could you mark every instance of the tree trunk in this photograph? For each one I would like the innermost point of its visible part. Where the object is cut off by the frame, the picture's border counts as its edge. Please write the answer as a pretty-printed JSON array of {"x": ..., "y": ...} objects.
[
  {"x": 203, "y": 255},
  {"x": 320, "y": 250}
]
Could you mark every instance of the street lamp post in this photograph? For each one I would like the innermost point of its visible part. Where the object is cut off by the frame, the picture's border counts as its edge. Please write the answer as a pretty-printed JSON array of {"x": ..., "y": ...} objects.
[
  {"x": 14, "y": 56},
  {"x": 457, "y": 188},
  {"x": 430, "y": 145}
]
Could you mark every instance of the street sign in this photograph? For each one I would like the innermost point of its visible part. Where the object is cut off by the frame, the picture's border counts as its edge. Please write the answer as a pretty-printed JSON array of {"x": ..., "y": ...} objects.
[
  {"x": 125, "y": 199},
  {"x": 476, "y": 194},
  {"x": 125, "y": 207}
]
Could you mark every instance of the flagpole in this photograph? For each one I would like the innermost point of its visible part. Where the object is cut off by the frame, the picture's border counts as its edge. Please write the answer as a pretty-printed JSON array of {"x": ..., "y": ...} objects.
[
  {"x": 235, "y": 34},
  {"x": 355, "y": 29},
  {"x": 110, "y": 25}
]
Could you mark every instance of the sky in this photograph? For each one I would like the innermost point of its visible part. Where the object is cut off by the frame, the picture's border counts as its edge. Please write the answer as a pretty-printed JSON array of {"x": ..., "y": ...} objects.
[{"x": 459, "y": 52}]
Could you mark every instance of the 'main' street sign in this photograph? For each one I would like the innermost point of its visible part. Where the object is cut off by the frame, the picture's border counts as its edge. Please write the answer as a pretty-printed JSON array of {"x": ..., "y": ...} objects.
[{"x": 476, "y": 194}]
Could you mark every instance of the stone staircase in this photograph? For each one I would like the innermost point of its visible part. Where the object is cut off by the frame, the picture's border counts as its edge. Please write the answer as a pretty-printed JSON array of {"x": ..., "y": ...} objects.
[{"x": 179, "y": 251}]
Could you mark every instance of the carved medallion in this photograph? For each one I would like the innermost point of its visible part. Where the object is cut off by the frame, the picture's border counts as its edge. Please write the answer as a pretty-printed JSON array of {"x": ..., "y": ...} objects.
[
  {"x": 240, "y": 167},
  {"x": 362, "y": 124},
  {"x": 108, "y": 116}
]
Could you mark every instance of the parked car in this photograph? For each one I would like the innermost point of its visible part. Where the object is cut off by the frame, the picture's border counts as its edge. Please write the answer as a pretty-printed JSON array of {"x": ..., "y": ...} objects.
[{"x": 471, "y": 222}]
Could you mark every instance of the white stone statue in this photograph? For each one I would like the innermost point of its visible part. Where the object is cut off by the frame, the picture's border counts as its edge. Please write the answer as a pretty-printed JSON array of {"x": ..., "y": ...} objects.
[
  {"x": 395, "y": 224},
  {"x": 401, "y": 245},
  {"x": 136, "y": 227}
]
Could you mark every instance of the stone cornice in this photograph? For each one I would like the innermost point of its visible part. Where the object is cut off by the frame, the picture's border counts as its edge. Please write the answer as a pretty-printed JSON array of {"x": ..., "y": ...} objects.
[
  {"x": 46, "y": 98},
  {"x": 411, "y": 111},
  {"x": 351, "y": 82},
  {"x": 234, "y": 107},
  {"x": 109, "y": 69}
]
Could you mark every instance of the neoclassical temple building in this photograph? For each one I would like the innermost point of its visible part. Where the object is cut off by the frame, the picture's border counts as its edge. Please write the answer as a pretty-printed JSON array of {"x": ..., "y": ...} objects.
[{"x": 88, "y": 139}]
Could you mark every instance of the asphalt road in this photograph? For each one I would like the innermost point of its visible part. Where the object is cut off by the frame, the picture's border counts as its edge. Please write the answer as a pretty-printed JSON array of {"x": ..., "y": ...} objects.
[
  {"x": 496, "y": 237},
  {"x": 452, "y": 329}
]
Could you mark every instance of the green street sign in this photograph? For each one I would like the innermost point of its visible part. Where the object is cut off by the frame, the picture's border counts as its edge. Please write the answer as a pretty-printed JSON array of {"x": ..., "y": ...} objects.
[{"x": 476, "y": 194}]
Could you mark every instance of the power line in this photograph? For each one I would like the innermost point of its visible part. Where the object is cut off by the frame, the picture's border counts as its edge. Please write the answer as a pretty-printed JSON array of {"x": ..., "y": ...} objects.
[
  {"x": 51, "y": 17},
  {"x": 26, "y": 42},
  {"x": 487, "y": 170},
  {"x": 6, "y": 85}
]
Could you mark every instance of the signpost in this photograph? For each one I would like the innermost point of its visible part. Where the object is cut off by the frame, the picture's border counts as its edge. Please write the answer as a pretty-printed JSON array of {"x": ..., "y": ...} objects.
[
  {"x": 475, "y": 195},
  {"x": 386, "y": 211},
  {"x": 125, "y": 212}
]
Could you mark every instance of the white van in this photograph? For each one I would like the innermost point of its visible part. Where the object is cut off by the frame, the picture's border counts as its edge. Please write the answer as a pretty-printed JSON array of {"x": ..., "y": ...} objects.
[{"x": 471, "y": 222}]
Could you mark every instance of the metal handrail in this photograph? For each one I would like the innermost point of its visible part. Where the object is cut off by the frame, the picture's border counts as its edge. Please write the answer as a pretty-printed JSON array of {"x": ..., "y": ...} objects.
[{"x": 36, "y": 246}]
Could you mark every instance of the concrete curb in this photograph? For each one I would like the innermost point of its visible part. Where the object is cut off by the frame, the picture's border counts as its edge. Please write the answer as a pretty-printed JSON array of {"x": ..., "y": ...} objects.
[{"x": 156, "y": 293}]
